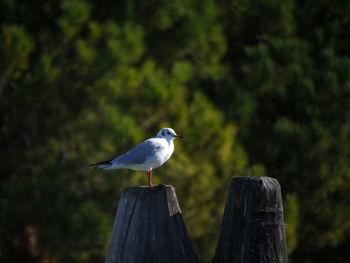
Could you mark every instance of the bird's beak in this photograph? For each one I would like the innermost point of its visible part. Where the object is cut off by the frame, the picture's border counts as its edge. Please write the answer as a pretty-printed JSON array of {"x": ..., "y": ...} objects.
[{"x": 178, "y": 136}]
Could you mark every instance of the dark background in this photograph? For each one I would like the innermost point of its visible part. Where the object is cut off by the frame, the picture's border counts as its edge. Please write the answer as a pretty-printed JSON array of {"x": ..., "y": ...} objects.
[{"x": 258, "y": 88}]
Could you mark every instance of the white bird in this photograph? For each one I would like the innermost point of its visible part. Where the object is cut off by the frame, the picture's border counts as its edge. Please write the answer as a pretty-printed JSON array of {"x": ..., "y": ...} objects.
[{"x": 146, "y": 156}]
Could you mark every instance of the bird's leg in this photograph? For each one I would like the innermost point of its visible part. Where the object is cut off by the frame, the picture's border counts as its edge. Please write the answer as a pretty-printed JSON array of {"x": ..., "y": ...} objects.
[{"x": 149, "y": 175}]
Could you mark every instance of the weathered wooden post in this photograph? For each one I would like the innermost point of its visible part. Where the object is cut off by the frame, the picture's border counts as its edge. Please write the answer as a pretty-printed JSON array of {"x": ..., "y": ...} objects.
[
  {"x": 149, "y": 227},
  {"x": 253, "y": 227}
]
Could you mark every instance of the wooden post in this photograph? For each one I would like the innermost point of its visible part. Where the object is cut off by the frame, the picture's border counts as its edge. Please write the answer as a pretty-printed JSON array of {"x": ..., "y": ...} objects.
[
  {"x": 149, "y": 227},
  {"x": 253, "y": 227}
]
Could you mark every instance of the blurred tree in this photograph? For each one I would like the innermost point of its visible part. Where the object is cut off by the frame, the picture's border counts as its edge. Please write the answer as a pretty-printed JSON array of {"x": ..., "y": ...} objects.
[
  {"x": 83, "y": 87},
  {"x": 257, "y": 87},
  {"x": 290, "y": 86}
]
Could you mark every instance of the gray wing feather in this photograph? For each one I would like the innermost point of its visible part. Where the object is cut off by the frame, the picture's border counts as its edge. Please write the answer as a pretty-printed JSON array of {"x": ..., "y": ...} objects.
[{"x": 139, "y": 154}]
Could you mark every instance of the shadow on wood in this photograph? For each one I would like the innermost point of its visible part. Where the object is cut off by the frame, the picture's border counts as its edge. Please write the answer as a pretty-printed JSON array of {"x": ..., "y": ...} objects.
[
  {"x": 149, "y": 227},
  {"x": 253, "y": 227}
]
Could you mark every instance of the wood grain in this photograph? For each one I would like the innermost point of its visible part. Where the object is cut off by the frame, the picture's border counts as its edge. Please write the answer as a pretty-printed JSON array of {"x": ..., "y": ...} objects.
[
  {"x": 253, "y": 225},
  {"x": 149, "y": 228}
]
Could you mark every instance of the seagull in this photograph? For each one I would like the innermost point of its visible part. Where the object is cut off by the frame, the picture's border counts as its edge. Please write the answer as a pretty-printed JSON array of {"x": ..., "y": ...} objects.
[{"x": 145, "y": 156}]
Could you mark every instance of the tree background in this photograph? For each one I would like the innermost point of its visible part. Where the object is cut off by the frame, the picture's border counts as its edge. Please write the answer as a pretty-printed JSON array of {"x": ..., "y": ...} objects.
[{"x": 258, "y": 88}]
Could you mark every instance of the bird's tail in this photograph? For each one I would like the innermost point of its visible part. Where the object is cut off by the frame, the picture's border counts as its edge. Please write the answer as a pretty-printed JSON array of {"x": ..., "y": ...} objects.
[{"x": 102, "y": 165}]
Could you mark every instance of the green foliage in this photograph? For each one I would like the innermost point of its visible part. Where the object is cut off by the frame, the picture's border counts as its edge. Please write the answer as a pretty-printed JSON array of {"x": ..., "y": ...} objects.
[
  {"x": 75, "y": 14},
  {"x": 291, "y": 207},
  {"x": 16, "y": 46},
  {"x": 258, "y": 88}
]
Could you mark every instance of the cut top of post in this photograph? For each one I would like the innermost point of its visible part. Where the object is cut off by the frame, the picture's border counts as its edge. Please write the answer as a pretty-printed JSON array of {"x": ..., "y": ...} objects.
[{"x": 171, "y": 197}]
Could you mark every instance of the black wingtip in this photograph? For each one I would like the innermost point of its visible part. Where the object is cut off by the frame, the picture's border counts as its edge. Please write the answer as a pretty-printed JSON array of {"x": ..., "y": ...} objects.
[{"x": 99, "y": 163}]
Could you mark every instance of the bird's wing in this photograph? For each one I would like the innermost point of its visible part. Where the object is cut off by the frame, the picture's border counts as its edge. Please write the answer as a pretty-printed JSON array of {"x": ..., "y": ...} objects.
[{"x": 140, "y": 154}]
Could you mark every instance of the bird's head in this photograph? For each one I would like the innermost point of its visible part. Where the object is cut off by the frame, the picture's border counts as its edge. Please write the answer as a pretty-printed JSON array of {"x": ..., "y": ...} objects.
[{"x": 168, "y": 133}]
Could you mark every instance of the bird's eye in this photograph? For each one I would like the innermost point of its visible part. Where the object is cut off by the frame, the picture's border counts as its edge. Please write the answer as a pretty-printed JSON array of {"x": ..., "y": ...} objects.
[{"x": 169, "y": 133}]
